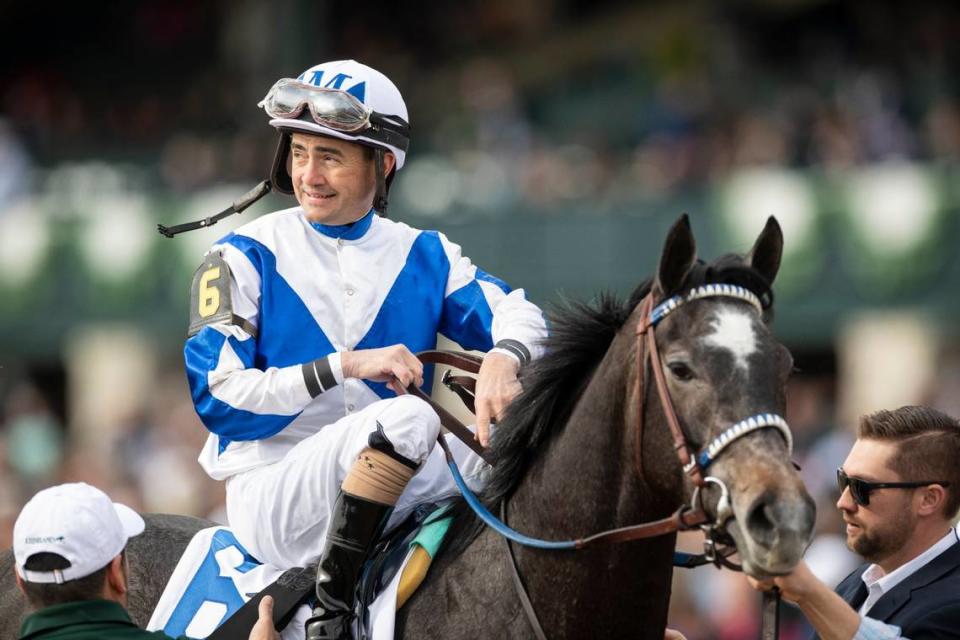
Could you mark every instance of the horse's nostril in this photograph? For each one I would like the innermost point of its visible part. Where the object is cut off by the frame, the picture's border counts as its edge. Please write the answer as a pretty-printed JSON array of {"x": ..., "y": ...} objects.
[{"x": 760, "y": 522}]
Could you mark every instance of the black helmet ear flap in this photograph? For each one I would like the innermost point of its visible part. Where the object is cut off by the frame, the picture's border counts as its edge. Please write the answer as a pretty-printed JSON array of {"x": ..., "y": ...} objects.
[{"x": 279, "y": 175}]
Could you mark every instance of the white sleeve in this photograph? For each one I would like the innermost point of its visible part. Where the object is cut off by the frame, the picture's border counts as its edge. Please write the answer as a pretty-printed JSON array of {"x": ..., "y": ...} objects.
[
  {"x": 478, "y": 304},
  {"x": 233, "y": 397}
]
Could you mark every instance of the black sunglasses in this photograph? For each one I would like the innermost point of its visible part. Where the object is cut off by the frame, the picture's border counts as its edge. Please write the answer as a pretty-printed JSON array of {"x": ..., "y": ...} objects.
[{"x": 860, "y": 489}]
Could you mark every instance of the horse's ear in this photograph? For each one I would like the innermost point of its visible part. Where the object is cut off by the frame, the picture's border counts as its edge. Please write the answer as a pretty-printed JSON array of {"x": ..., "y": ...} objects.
[
  {"x": 767, "y": 250},
  {"x": 676, "y": 260}
]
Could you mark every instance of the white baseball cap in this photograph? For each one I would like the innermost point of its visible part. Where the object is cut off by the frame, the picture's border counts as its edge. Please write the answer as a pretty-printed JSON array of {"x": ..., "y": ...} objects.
[{"x": 76, "y": 521}]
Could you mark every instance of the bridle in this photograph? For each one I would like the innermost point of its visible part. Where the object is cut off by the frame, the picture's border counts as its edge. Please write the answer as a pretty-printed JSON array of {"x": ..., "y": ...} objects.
[{"x": 695, "y": 465}]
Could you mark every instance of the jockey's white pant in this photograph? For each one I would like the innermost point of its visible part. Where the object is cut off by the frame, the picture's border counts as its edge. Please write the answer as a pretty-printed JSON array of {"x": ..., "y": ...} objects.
[{"x": 280, "y": 512}]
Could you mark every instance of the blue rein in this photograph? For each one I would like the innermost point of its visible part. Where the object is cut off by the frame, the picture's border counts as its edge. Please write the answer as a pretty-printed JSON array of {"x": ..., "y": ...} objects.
[
  {"x": 705, "y": 458},
  {"x": 491, "y": 520},
  {"x": 680, "y": 559}
]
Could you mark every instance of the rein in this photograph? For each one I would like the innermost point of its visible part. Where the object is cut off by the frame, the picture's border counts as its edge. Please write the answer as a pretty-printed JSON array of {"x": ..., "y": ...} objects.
[
  {"x": 683, "y": 519},
  {"x": 694, "y": 465}
]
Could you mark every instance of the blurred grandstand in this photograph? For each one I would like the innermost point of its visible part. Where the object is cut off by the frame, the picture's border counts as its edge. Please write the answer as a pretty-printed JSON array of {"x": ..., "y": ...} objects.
[{"x": 555, "y": 139}]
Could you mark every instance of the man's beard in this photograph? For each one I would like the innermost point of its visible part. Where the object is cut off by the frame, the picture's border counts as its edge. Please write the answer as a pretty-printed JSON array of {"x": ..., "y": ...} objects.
[{"x": 876, "y": 545}]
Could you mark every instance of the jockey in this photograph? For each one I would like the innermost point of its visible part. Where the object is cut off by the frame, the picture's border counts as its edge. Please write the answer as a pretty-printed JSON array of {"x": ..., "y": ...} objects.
[{"x": 303, "y": 327}]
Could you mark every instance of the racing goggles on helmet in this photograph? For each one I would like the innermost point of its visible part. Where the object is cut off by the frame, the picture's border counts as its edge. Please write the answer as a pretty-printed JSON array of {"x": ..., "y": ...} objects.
[{"x": 334, "y": 109}]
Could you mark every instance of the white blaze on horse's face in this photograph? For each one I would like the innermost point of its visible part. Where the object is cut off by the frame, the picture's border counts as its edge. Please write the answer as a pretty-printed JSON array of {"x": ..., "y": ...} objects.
[{"x": 733, "y": 331}]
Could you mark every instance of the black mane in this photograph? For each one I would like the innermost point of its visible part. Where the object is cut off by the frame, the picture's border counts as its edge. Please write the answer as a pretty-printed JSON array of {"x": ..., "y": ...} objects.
[{"x": 580, "y": 335}]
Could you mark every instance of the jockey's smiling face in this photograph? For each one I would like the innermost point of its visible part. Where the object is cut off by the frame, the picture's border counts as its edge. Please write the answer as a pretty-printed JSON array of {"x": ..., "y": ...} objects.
[{"x": 334, "y": 180}]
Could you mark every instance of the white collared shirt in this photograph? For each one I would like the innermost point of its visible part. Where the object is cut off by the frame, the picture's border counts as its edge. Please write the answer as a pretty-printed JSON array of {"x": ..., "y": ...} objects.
[{"x": 879, "y": 583}]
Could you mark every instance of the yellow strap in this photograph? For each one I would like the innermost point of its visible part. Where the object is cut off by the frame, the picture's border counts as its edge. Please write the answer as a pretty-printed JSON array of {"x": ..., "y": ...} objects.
[{"x": 413, "y": 574}]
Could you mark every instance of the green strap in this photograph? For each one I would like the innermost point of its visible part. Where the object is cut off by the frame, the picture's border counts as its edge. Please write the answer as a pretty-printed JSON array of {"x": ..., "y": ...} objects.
[{"x": 433, "y": 531}]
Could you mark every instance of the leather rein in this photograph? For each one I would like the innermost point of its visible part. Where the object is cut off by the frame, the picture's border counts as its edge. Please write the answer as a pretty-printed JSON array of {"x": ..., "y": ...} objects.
[{"x": 686, "y": 517}]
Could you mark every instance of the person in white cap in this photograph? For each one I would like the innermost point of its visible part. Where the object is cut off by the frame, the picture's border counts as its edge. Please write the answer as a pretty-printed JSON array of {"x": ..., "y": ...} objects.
[
  {"x": 68, "y": 546},
  {"x": 303, "y": 327}
]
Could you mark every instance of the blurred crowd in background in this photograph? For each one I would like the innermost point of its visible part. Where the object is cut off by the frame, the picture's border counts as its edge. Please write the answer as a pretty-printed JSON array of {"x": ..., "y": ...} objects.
[
  {"x": 529, "y": 104},
  {"x": 515, "y": 106}
]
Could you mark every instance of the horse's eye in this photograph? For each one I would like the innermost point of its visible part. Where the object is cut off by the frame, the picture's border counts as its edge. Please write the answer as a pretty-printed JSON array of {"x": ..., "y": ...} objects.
[{"x": 680, "y": 371}]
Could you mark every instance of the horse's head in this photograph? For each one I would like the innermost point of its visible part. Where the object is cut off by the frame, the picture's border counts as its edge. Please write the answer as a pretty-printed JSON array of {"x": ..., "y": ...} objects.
[{"x": 721, "y": 366}]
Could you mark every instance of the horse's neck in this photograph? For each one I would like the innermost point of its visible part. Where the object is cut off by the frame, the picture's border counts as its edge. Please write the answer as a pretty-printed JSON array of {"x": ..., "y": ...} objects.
[
  {"x": 574, "y": 486},
  {"x": 585, "y": 483},
  {"x": 588, "y": 477}
]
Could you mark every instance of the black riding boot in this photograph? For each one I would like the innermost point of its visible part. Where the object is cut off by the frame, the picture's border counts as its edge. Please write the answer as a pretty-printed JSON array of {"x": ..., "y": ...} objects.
[{"x": 355, "y": 525}]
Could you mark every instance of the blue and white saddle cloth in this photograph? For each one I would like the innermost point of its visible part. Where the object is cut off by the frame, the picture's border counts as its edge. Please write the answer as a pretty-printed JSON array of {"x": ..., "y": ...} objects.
[{"x": 216, "y": 576}]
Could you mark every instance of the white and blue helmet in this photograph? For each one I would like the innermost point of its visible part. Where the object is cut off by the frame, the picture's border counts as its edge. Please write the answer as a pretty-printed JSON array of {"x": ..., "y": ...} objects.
[{"x": 341, "y": 99}]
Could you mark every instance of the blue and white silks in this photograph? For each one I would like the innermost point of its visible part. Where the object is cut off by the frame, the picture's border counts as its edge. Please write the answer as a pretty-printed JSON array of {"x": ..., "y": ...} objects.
[{"x": 312, "y": 292}]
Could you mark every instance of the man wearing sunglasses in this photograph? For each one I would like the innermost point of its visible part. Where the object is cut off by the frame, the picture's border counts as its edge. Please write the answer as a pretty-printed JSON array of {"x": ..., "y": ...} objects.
[
  {"x": 900, "y": 492},
  {"x": 303, "y": 328}
]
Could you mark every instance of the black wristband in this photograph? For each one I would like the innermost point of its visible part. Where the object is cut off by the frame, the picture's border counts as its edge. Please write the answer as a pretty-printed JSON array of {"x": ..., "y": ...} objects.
[
  {"x": 318, "y": 376},
  {"x": 515, "y": 347}
]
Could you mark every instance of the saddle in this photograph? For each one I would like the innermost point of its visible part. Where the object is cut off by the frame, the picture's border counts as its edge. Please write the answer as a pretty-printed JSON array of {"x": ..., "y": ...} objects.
[{"x": 410, "y": 547}]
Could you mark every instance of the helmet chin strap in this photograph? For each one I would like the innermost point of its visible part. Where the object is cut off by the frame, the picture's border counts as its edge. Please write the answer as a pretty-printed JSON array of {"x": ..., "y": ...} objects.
[
  {"x": 237, "y": 206},
  {"x": 380, "y": 197},
  {"x": 281, "y": 182}
]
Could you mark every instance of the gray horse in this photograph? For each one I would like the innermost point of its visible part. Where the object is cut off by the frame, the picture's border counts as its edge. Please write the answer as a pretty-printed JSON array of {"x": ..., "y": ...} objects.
[{"x": 567, "y": 462}]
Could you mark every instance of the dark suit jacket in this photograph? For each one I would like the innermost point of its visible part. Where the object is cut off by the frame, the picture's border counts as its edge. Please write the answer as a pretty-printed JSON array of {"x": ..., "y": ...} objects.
[{"x": 925, "y": 606}]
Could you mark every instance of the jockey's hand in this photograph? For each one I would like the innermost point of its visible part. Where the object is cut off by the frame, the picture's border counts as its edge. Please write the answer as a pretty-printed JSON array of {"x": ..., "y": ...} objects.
[
  {"x": 497, "y": 386},
  {"x": 673, "y": 634},
  {"x": 264, "y": 629},
  {"x": 394, "y": 365}
]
